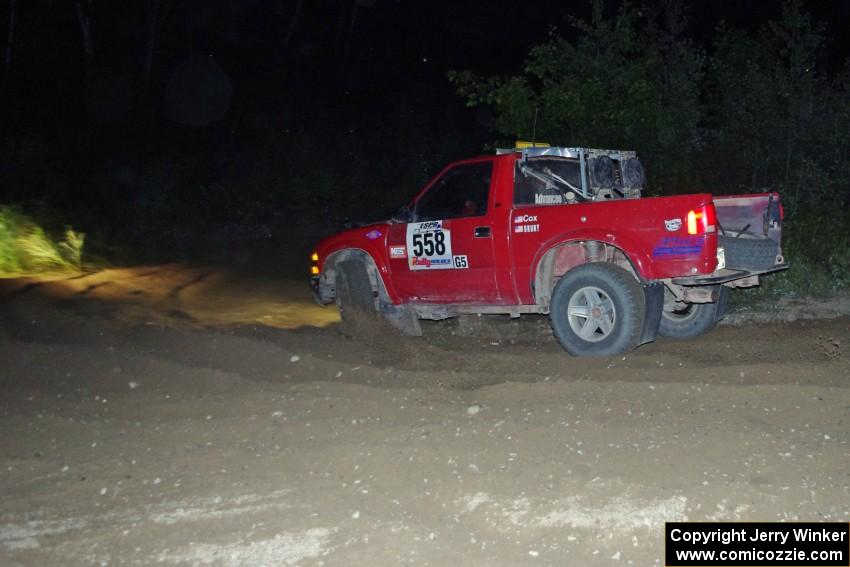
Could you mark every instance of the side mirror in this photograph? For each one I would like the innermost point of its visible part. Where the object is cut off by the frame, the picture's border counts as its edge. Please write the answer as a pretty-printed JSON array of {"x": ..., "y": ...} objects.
[{"x": 403, "y": 214}]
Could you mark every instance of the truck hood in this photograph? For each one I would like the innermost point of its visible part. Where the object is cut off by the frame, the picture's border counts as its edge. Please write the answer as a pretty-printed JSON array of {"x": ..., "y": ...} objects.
[{"x": 363, "y": 237}]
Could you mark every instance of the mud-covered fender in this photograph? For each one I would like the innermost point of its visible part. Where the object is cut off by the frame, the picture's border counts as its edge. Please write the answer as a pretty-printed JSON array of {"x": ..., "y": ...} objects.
[
  {"x": 639, "y": 259},
  {"x": 375, "y": 265}
]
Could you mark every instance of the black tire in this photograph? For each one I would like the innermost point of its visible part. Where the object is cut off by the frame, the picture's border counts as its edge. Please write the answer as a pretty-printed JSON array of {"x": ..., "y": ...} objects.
[
  {"x": 749, "y": 253},
  {"x": 633, "y": 175},
  {"x": 354, "y": 297},
  {"x": 601, "y": 172},
  {"x": 616, "y": 328},
  {"x": 688, "y": 320}
]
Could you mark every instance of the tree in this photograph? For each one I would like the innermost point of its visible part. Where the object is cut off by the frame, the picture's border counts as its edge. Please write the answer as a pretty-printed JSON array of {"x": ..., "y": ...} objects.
[
  {"x": 10, "y": 40},
  {"x": 775, "y": 116},
  {"x": 621, "y": 82},
  {"x": 84, "y": 8}
]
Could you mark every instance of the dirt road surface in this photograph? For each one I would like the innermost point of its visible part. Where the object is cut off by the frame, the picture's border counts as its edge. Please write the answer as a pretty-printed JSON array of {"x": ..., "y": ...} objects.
[{"x": 186, "y": 416}]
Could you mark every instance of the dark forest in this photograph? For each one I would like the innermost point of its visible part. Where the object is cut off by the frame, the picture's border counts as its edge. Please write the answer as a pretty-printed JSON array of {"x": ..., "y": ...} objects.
[{"x": 171, "y": 130}]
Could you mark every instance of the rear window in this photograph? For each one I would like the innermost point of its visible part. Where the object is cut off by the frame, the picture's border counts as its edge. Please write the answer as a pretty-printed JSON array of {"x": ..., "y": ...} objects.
[{"x": 547, "y": 181}]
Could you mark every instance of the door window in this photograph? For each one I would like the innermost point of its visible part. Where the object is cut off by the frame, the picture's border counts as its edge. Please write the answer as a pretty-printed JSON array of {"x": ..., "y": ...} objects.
[{"x": 461, "y": 192}]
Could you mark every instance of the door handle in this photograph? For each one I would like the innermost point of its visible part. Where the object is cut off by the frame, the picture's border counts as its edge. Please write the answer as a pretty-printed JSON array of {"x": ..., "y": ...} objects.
[{"x": 482, "y": 232}]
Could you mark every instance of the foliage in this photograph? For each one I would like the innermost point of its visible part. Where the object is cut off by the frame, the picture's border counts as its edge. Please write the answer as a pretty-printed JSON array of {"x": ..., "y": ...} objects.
[
  {"x": 617, "y": 83},
  {"x": 776, "y": 116},
  {"x": 817, "y": 246},
  {"x": 758, "y": 111},
  {"x": 26, "y": 248}
]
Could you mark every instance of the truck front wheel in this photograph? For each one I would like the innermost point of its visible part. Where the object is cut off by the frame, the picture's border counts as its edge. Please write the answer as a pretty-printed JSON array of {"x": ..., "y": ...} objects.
[
  {"x": 681, "y": 320},
  {"x": 354, "y": 296},
  {"x": 597, "y": 309}
]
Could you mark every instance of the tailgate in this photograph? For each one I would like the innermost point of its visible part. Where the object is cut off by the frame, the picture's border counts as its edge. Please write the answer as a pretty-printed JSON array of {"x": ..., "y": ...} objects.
[
  {"x": 750, "y": 231},
  {"x": 753, "y": 216}
]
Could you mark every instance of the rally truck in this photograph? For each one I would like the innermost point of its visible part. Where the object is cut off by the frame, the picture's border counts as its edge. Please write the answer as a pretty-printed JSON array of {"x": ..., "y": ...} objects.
[{"x": 562, "y": 232}]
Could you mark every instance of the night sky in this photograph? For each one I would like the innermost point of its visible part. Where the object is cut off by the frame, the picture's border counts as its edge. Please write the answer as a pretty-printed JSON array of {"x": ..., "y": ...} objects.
[
  {"x": 375, "y": 45},
  {"x": 233, "y": 86}
]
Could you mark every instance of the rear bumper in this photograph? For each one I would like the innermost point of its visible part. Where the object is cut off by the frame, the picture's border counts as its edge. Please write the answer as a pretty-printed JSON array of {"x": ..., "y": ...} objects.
[{"x": 727, "y": 275}]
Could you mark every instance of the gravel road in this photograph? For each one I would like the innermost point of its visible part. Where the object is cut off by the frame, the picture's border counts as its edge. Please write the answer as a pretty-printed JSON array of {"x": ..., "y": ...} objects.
[{"x": 155, "y": 417}]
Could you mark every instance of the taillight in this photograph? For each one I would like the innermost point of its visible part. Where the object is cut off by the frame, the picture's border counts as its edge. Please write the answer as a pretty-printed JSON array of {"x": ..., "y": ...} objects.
[
  {"x": 702, "y": 220},
  {"x": 693, "y": 217}
]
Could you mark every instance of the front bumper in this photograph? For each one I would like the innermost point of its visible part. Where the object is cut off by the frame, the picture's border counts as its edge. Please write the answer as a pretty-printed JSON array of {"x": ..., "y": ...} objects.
[{"x": 315, "y": 282}]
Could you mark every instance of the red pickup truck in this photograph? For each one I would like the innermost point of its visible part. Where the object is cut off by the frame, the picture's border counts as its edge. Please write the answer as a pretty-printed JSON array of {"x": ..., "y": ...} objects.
[{"x": 557, "y": 231}]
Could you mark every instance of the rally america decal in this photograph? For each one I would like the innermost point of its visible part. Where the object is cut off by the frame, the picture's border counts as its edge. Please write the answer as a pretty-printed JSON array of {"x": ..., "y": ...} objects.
[{"x": 429, "y": 246}]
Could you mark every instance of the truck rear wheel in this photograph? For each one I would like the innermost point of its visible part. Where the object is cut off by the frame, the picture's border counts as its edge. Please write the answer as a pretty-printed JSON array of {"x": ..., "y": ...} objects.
[
  {"x": 681, "y": 320},
  {"x": 354, "y": 296},
  {"x": 597, "y": 309}
]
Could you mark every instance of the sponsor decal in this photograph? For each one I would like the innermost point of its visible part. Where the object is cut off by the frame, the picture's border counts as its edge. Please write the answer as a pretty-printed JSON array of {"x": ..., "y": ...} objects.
[
  {"x": 525, "y": 218},
  {"x": 398, "y": 251},
  {"x": 527, "y": 228},
  {"x": 548, "y": 199},
  {"x": 374, "y": 234},
  {"x": 429, "y": 246},
  {"x": 678, "y": 246},
  {"x": 673, "y": 224},
  {"x": 419, "y": 263}
]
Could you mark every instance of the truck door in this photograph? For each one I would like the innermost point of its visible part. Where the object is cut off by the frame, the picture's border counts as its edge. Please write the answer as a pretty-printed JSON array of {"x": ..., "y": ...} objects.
[{"x": 445, "y": 255}]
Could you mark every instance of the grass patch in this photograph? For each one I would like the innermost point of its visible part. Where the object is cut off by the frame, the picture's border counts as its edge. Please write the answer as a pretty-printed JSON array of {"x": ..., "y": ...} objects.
[
  {"x": 817, "y": 247},
  {"x": 26, "y": 248}
]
